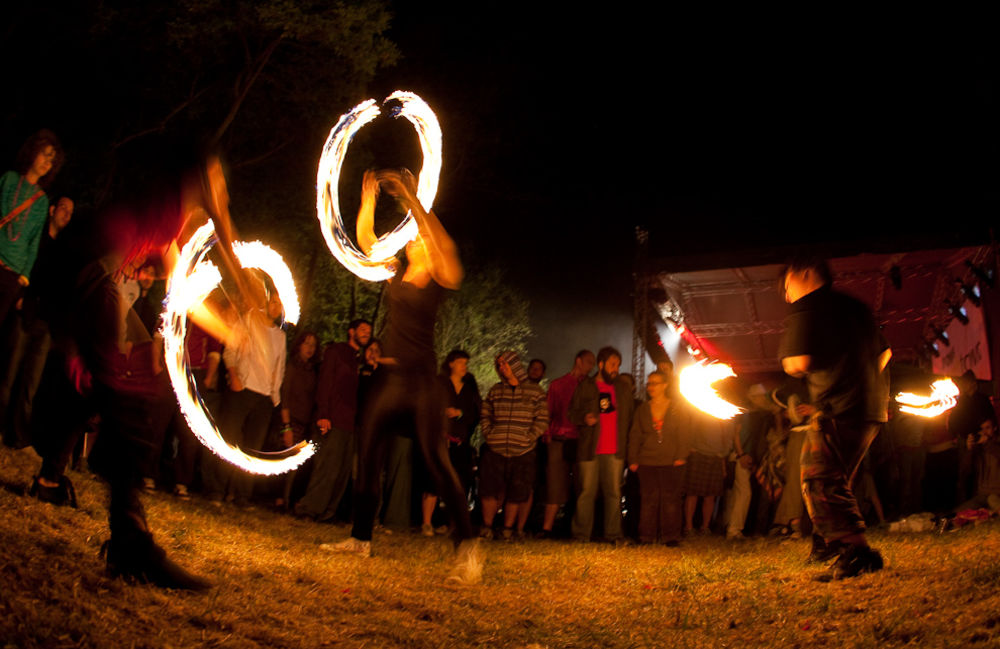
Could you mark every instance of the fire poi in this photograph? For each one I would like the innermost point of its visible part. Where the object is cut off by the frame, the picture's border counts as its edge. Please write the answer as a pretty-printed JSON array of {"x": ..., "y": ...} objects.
[
  {"x": 696, "y": 386},
  {"x": 943, "y": 397},
  {"x": 192, "y": 280},
  {"x": 375, "y": 266}
]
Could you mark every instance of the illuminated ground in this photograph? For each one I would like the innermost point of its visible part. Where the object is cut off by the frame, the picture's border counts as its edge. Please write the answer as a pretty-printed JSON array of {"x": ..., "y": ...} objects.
[{"x": 275, "y": 588}]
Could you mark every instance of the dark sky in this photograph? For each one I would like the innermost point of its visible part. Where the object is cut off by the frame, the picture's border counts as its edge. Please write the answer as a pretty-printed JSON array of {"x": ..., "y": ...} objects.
[{"x": 565, "y": 130}]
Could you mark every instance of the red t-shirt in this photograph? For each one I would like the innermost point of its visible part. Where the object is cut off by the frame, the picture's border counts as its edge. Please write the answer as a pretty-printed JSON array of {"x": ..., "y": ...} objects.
[{"x": 607, "y": 443}]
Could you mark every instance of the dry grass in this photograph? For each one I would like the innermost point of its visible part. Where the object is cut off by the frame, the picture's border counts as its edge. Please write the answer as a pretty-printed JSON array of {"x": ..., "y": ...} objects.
[{"x": 276, "y": 588}]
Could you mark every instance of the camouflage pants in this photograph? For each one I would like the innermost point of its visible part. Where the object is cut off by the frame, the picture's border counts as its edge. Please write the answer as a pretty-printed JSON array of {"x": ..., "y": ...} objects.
[{"x": 831, "y": 453}]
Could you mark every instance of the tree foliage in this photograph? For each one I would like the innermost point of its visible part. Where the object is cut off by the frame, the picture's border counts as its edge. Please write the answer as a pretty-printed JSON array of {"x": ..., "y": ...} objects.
[{"x": 487, "y": 316}]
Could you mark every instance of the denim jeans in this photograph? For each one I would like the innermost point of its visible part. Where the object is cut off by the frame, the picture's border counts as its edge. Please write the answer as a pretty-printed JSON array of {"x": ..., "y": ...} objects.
[{"x": 604, "y": 471}]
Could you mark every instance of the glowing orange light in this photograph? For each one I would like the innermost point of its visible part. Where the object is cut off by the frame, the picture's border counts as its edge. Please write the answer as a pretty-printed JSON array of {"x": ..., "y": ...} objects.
[
  {"x": 696, "y": 386},
  {"x": 376, "y": 265},
  {"x": 943, "y": 397},
  {"x": 192, "y": 279}
]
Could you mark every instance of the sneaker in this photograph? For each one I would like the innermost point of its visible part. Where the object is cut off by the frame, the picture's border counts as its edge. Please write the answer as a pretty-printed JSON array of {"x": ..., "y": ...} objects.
[
  {"x": 735, "y": 536},
  {"x": 468, "y": 568},
  {"x": 854, "y": 561},
  {"x": 350, "y": 545},
  {"x": 486, "y": 533},
  {"x": 507, "y": 534},
  {"x": 427, "y": 529},
  {"x": 442, "y": 529},
  {"x": 149, "y": 485},
  {"x": 181, "y": 491}
]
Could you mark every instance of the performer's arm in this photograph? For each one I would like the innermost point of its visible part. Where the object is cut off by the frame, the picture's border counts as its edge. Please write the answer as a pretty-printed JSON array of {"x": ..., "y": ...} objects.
[
  {"x": 365, "y": 228},
  {"x": 442, "y": 253},
  {"x": 883, "y": 358}
]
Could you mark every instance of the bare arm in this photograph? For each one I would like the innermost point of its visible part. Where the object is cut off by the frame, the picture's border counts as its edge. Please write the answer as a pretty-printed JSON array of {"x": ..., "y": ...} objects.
[
  {"x": 443, "y": 263},
  {"x": 365, "y": 228},
  {"x": 883, "y": 358}
]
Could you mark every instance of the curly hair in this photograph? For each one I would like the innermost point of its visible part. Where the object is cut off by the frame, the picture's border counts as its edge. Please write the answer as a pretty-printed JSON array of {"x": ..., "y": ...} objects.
[{"x": 30, "y": 150}]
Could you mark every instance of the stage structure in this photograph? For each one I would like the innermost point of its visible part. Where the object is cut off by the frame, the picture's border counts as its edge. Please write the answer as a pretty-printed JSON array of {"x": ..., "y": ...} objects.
[{"x": 939, "y": 309}]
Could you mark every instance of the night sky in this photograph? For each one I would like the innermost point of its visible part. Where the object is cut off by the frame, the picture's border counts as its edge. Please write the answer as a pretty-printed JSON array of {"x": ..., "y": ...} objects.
[{"x": 720, "y": 133}]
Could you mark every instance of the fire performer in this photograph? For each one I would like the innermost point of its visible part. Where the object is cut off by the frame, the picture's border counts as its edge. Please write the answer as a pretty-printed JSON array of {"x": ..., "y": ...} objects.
[
  {"x": 833, "y": 341},
  {"x": 103, "y": 359},
  {"x": 406, "y": 389}
]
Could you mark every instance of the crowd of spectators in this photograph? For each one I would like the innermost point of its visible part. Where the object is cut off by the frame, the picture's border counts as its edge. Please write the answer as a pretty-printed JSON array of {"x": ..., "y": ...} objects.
[{"x": 533, "y": 457}]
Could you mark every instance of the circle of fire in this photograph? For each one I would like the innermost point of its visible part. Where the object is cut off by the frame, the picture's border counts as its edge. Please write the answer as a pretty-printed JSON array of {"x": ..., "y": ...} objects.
[
  {"x": 375, "y": 266},
  {"x": 190, "y": 282}
]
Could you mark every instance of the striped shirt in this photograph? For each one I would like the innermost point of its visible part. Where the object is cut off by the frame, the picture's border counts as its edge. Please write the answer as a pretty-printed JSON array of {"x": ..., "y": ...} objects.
[{"x": 513, "y": 418}]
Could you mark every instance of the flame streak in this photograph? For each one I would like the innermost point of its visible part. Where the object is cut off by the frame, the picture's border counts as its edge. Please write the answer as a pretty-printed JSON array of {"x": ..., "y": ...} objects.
[
  {"x": 696, "y": 386},
  {"x": 374, "y": 267},
  {"x": 943, "y": 397},
  {"x": 190, "y": 282}
]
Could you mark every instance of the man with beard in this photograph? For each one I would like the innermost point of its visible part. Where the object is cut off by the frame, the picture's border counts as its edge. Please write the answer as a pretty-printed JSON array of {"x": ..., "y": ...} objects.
[
  {"x": 336, "y": 412},
  {"x": 601, "y": 408}
]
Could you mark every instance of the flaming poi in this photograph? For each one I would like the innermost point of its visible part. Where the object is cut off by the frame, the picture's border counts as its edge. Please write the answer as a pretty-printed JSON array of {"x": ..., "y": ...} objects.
[
  {"x": 193, "y": 278},
  {"x": 943, "y": 397},
  {"x": 696, "y": 386},
  {"x": 376, "y": 266}
]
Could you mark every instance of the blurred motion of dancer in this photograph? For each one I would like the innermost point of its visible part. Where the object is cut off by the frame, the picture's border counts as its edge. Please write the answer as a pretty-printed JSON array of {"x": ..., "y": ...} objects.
[{"x": 406, "y": 388}]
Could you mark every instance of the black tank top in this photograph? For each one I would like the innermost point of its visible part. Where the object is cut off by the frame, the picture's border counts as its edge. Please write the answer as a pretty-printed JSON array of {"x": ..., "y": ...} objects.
[{"x": 412, "y": 312}]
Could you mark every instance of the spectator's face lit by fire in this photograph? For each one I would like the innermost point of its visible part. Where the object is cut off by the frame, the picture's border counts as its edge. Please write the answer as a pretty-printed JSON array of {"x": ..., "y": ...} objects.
[
  {"x": 361, "y": 334},
  {"x": 656, "y": 387},
  {"x": 536, "y": 371},
  {"x": 308, "y": 348},
  {"x": 459, "y": 367},
  {"x": 586, "y": 364},
  {"x": 43, "y": 161},
  {"x": 146, "y": 277},
  {"x": 988, "y": 429},
  {"x": 62, "y": 213},
  {"x": 609, "y": 368},
  {"x": 373, "y": 353}
]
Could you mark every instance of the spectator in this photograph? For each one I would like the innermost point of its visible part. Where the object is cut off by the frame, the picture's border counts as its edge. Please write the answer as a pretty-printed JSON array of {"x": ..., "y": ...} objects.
[
  {"x": 711, "y": 441},
  {"x": 514, "y": 416},
  {"x": 336, "y": 418},
  {"x": 602, "y": 409},
  {"x": 463, "y": 411},
  {"x": 30, "y": 338},
  {"x": 658, "y": 447},
  {"x": 23, "y": 210},
  {"x": 985, "y": 450},
  {"x": 298, "y": 397},
  {"x": 561, "y": 438}
]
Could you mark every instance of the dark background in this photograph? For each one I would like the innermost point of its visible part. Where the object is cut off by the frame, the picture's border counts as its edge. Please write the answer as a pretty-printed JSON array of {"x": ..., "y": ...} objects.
[{"x": 725, "y": 135}]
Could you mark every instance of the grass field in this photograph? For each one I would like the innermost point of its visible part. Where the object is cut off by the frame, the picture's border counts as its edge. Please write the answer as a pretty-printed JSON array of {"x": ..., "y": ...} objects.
[{"x": 274, "y": 587}]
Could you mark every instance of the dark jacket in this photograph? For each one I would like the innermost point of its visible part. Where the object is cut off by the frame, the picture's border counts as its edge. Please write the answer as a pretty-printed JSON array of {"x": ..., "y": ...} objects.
[
  {"x": 337, "y": 388},
  {"x": 646, "y": 448},
  {"x": 586, "y": 400}
]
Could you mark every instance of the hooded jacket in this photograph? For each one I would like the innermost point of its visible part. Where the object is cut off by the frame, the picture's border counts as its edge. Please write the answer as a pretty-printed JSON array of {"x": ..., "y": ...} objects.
[{"x": 514, "y": 416}]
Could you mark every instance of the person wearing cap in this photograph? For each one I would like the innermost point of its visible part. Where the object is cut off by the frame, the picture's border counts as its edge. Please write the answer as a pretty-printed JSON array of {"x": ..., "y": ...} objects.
[{"x": 514, "y": 415}]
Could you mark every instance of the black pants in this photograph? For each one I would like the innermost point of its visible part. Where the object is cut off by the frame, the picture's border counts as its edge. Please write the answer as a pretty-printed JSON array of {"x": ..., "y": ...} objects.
[{"x": 402, "y": 399}]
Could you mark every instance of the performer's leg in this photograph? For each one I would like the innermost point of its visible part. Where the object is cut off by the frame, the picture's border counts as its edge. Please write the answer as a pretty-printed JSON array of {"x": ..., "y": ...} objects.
[{"x": 388, "y": 393}]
